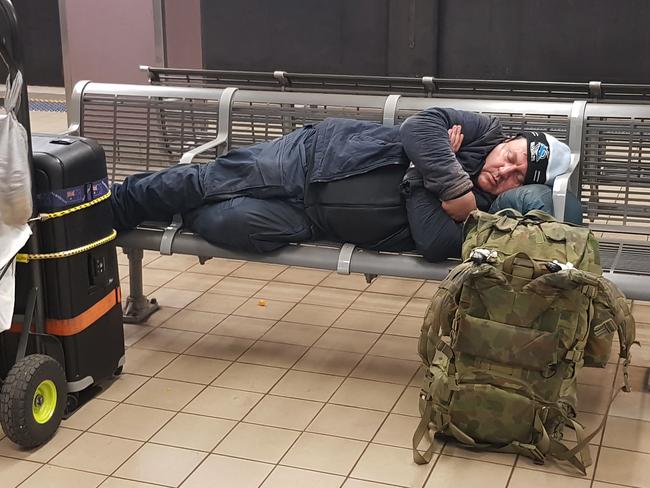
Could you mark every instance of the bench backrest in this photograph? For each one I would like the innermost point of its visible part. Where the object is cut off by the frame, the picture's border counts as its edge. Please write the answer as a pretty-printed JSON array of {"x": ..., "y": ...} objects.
[
  {"x": 615, "y": 174},
  {"x": 143, "y": 129},
  {"x": 259, "y": 116},
  {"x": 515, "y": 116}
]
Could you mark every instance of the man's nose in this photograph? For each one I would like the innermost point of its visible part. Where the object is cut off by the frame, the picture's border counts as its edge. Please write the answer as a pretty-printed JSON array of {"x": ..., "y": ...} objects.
[{"x": 506, "y": 171}]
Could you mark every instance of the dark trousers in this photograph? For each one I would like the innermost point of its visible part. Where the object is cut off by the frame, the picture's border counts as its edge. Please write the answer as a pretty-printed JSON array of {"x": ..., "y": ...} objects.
[{"x": 250, "y": 199}]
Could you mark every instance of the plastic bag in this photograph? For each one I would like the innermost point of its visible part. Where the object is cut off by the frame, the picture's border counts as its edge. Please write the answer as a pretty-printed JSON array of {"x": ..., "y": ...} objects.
[
  {"x": 7, "y": 290},
  {"x": 11, "y": 240},
  {"x": 15, "y": 178}
]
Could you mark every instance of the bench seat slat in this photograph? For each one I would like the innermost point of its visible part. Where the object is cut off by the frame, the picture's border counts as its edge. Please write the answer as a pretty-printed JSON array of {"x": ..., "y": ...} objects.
[
  {"x": 326, "y": 256},
  {"x": 323, "y": 255}
]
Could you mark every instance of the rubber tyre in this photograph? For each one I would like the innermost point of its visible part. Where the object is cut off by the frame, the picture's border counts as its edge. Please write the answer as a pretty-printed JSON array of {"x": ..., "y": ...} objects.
[{"x": 17, "y": 397}]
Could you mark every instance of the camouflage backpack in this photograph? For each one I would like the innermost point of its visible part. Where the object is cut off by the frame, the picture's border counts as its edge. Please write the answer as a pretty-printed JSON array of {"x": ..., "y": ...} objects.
[{"x": 507, "y": 332}]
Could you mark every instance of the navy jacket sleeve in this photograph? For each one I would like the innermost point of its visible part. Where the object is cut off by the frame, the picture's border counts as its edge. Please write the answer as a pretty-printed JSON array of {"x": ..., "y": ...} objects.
[
  {"x": 435, "y": 234},
  {"x": 426, "y": 143}
]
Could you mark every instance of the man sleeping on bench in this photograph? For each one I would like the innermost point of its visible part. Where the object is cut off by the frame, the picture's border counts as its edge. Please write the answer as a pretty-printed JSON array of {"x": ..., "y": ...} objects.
[{"x": 401, "y": 188}]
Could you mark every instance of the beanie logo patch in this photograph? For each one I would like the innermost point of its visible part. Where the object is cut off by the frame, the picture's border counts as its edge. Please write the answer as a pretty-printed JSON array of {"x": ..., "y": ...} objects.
[
  {"x": 538, "y": 151},
  {"x": 538, "y": 154}
]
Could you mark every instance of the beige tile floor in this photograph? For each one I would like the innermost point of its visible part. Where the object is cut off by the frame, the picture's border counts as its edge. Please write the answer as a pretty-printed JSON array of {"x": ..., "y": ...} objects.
[
  {"x": 272, "y": 376},
  {"x": 257, "y": 375}
]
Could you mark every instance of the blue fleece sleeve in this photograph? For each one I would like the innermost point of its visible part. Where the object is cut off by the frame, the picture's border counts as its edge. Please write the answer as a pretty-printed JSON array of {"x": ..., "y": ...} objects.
[
  {"x": 426, "y": 143},
  {"x": 436, "y": 235}
]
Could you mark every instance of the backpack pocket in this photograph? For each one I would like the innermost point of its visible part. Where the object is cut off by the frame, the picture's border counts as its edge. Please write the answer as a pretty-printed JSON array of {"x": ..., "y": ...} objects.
[
  {"x": 506, "y": 344},
  {"x": 489, "y": 414}
]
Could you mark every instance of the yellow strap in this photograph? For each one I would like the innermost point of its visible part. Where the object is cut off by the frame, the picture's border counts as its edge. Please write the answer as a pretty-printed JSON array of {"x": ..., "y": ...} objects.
[
  {"x": 67, "y": 211},
  {"x": 25, "y": 258}
]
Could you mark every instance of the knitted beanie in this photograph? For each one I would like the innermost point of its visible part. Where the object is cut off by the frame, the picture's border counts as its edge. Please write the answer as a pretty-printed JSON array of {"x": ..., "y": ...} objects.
[{"x": 547, "y": 158}]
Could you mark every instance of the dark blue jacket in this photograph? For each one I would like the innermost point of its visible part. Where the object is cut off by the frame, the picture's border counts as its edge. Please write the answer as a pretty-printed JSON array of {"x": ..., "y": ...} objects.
[{"x": 344, "y": 147}]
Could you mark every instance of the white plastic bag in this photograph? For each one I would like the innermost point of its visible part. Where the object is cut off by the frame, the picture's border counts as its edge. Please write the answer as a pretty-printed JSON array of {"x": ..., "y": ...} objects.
[
  {"x": 11, "y": 240},
  {"x": 7, "y": 290},
  {"x": 15, "y": 178}
]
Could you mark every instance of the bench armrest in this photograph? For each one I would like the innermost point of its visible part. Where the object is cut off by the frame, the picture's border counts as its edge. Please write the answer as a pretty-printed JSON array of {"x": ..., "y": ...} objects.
[
  {"x": 561, "y": 187},
  {"x": 188, "y": 156},
  {"x": 225, "y": 103},
  {"x": 72, "y": 130}
]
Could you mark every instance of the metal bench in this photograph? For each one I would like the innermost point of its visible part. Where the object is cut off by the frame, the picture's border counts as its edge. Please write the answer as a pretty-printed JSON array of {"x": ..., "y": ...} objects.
[
  {"x": 428, "y": 86},
  {"x": 615, "y": 183},
  {"x": 144, "y": 127}
]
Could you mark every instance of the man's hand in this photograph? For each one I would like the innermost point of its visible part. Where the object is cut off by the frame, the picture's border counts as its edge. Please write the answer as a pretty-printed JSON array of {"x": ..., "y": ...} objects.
[
  {"x": 459, "y": 208},
  {"x": 455, "y": 137}
]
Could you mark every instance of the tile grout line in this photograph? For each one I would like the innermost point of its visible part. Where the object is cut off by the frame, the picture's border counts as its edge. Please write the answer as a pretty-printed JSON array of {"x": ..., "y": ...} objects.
[
  {"x": 334, "y": 392},
  {"x": 345, "y": 378},
  {"x": 238, "y": 422},
  {"x": 512, "y": 471},
  {"x": 232, "y": 362},
  {"x": 348, "y": 376},
  {"x": 149, "y": 378}
]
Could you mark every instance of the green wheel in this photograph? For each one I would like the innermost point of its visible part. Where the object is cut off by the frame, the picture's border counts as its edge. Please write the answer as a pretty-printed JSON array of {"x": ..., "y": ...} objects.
[{"x": 32, "y": 400}]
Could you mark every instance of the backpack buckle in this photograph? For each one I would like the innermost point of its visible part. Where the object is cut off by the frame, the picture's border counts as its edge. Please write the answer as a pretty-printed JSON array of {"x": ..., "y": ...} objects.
[
  {"x": 590, "y": 291},
  {"x": 626, "y": 375},
  {"x": 550, "y": 371},
  {"x": 555, "y": 266},
  {"x": 574, "y": 355},
  {"x": 532, "y": 450},
  {"x": 605, "y": 328},
  {"x": 444, "y": 348},
  {"x": 481, "y": 255}
]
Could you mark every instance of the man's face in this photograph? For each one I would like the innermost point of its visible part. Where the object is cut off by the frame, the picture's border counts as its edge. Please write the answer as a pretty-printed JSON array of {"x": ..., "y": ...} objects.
[{"x": 505, "y": 167}]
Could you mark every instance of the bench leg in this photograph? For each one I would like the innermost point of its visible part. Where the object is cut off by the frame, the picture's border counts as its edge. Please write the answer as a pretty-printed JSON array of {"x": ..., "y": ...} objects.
[
  {"x": 138, "y": 308},
  {"x": 369, "y": 277}
]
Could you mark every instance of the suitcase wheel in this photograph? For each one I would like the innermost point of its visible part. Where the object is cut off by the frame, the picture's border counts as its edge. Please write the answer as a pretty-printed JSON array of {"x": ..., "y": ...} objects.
[{"x": 33, "y": 400}]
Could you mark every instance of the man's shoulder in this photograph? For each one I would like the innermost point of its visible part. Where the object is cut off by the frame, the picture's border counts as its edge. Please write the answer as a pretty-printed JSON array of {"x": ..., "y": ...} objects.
[
  {"x": 344, "y": 128},
  {"x": 347, "y": 122}
]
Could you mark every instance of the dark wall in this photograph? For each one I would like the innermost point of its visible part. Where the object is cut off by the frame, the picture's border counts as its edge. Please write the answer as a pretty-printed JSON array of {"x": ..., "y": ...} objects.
[
  {"x": 41, "y": 36},
  {"x": 317, "y": 36},
  {"x": 295, "y": 35},
  {"x": 564, "y": 40},
  {"x": 556, "y": 40}
]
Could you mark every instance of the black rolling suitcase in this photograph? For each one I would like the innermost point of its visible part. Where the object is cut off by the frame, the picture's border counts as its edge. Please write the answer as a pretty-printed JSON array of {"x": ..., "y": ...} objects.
[{"x": 81, "y": 284}]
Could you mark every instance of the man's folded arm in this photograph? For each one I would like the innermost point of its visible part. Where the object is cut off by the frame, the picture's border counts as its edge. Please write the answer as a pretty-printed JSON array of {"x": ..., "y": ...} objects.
[
  {"x": 436, "y": 235},
  {"x": 426, "y": 142}
]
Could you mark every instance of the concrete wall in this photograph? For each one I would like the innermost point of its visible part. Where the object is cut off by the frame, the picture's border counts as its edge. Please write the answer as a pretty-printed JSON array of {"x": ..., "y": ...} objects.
[
  {"x": 106, "y": 40},
  {"x": 183, "y": 33}
]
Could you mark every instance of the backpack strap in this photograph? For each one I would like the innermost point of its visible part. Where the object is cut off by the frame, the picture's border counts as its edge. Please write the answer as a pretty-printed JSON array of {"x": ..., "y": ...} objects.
[
  {"x": 420, "y": 432},
  {"x": 509, "y": 212},
  {"x": 536, "y": 451},
  {"x": 522, "y": 266},
  {"x": 443, "y": 306},
  {"x": 539, "y": 215},
  {"x": 563, "y": 453},
  {"x": 622, "y": 321}
]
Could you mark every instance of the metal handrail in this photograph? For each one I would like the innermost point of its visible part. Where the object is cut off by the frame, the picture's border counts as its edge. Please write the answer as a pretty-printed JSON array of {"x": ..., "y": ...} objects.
[{"x": 425, "y": 85}]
